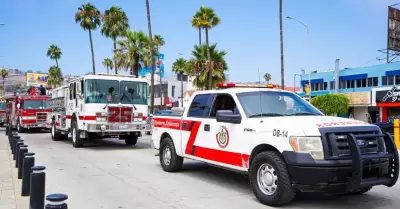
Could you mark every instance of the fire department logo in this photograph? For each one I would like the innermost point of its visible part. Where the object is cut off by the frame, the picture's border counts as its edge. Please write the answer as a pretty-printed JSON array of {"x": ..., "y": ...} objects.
[{"x": 222, "y": 137}]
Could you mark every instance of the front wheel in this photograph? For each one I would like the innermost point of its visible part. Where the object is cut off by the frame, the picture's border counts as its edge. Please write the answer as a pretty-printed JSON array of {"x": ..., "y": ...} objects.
[
  {"x": 270, "y": 179},
  {"x": 131, "y": 139},
  {"x": 169, "y": 160},
  {"x": 20, "y": 129},
  {"x": 76, "y": 137}
]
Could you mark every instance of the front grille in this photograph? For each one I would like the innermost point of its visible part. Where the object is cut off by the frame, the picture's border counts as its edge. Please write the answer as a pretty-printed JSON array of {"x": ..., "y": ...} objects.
[
  {"x": 338, "y": 145},
  {"x": 119, "y": 114},
  {"x": 41, "y": 117}
]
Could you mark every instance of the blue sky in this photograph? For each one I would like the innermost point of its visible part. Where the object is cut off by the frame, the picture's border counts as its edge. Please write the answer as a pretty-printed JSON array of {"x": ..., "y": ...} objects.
[{"x": 351, "y": 30}]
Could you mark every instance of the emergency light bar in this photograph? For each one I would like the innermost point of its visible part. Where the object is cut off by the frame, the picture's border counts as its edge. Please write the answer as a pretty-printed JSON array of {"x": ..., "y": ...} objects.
[
  {"x": 117, "y": 75},
  {"x": 242, "y": 85}
]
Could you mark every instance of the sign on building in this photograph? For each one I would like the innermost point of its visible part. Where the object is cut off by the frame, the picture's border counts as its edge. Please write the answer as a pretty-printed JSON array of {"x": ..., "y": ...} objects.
[
  {"x": 387, "y": 96},
  {"x": 36, "y": 79}
]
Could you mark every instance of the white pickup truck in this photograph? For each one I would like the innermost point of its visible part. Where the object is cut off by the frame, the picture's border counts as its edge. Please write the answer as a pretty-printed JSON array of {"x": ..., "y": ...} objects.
[{"x": 282, "y": 142}]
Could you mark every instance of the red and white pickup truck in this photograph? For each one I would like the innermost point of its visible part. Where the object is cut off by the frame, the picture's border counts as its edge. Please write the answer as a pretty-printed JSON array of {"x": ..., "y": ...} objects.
[{"x": 284, "y": 143}]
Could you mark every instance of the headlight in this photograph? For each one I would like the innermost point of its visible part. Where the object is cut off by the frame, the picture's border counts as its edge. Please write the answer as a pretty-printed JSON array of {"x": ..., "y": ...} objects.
[{"x": 311, "y": 145}]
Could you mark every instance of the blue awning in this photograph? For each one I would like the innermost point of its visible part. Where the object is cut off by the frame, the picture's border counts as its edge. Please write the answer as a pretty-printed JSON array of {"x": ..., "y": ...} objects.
[
  {"x": 320, "y": 80},
  {"x": 353, "y": 77},
  {"x": 392, "y": 72}
]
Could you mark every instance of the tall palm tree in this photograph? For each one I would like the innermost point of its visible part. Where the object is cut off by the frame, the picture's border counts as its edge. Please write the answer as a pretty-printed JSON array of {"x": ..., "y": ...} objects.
[
  {"x": 54, "y": 52},
  {"x": 196, "y": 23},
  {"x": 151, "y": 55},
  {"x": 4, "y": 74},
  {"x": 267, "y": 77},
  {"x": 158, "y": 42},
  {"x": 108, "y": 63},
  {"x": 217, "y": 65},
  {"x": 55, "y": 77},
  {"x": 89, "y": 17},
  {"x": 115, "y": 25},
  {"x": 208, "y": 19},
  {"x": 180, "y": 67},
  {"x": 131, "y": 51}
]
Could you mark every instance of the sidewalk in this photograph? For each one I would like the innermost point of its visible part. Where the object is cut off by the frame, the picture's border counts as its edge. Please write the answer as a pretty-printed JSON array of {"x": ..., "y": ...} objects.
[{"x": 10, "y": 185}]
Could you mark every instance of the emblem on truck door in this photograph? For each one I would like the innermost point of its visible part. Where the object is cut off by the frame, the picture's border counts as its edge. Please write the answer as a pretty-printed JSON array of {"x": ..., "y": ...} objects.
[{"x": 222, "y": 137}]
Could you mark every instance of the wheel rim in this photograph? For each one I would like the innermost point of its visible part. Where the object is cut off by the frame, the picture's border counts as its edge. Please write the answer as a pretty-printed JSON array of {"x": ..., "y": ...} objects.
[
  {"x": 74, "y": 135},
  {"x": 167, "y": 155},
  {"x": 267, "y": 179},
  {"x": 52, "y": 130}
]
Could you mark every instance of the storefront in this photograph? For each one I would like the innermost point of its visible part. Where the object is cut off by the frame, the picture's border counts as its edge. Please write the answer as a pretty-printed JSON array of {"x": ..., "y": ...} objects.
[
  {"x": 361, "y": 107},
  {"x": 388, "y": 100}
]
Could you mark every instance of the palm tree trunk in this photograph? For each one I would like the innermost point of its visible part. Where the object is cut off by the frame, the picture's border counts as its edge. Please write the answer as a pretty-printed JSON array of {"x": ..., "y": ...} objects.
[
  {"x": 151, "y": 57},
  {"x": 181, "y": 89},
  {"x": 158, "y": 59},
  {"x": 4, "y": 88},
  {"x": 115, "y": 60},
  {"x": 107, "y": 70},
  {"x": 281, "y": 36},
  {"x": 91, "y": 48},
  {"x": 199, "y": 36},
  {"x": 57, "y": 63},
  {"x": 208, "y": 62}
]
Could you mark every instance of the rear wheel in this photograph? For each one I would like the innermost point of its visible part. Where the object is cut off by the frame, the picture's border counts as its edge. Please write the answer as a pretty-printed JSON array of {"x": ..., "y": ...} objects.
[
  {"x": 169, "y": 160},
  {"x": 76, "y": 139}
]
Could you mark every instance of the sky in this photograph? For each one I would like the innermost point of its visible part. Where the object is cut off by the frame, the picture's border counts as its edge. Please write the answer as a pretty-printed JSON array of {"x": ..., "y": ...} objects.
[{"x": 349, "y": 30}]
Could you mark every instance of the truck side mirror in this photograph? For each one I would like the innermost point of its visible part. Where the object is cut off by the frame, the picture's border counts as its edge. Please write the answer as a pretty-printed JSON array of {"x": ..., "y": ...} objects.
[{"x": 227, "y": 116}]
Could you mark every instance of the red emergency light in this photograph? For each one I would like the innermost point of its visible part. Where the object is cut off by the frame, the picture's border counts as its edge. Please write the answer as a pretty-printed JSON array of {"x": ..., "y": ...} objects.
[{"x": 242, "y": 85}]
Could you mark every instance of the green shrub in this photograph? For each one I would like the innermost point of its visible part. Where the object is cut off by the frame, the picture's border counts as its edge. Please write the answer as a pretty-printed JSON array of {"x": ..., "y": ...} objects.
[{"x": 331, "y": 103}]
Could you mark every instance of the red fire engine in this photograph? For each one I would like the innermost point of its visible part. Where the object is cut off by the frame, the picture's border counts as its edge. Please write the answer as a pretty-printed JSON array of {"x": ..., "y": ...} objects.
[
  {"x": 2, "y": 113},
  {"x": 26, "y": 111}
]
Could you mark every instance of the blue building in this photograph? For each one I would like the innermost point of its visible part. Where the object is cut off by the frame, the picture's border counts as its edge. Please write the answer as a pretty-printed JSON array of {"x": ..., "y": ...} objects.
[{"x": 364, "y": 86}]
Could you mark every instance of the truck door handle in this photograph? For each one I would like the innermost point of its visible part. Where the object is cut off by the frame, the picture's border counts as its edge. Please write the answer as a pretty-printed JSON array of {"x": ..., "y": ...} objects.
[{"x": 206, "y": 127}]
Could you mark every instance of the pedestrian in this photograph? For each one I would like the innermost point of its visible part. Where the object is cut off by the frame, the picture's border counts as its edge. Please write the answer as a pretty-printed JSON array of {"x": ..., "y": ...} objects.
[
  {"x": 33, "y": 91},
  {"x": 42, "y": 90},
  {"x": 29, "y": 90}
]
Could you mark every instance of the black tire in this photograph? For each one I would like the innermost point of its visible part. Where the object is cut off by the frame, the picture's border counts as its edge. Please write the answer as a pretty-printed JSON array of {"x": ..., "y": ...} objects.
[
  {"x": 131, "y": 139},
  {"x": 284, "y": 192},
  {"x": 20, "y": 129},
  {"x": 175, "y": 162},
  {"x": 77, "y": 143},
  {"x": 361, "y": 191},
  {"x": 55, "y": 135}
]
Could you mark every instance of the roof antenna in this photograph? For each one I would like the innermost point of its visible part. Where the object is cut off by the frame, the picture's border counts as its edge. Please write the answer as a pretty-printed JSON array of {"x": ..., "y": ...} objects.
[{"x": 259, "y": 90}]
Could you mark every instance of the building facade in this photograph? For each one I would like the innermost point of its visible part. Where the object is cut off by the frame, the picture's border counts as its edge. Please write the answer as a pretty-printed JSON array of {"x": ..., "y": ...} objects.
[{"x": 366, "y": 87}]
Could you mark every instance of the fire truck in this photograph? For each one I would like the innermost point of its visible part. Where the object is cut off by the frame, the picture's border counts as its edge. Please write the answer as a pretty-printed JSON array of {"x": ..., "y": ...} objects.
[
  {"x": 2, "y": 113},
  {"x": 100, "y": 106},
  {"x": 26, "y": 112}
]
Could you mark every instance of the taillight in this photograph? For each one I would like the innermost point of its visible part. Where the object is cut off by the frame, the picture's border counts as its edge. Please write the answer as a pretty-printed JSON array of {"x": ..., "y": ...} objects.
[{"x": 101, "y": 116}]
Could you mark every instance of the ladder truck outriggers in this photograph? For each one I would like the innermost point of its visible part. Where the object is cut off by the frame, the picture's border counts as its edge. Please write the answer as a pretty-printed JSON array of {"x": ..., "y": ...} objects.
[{"x": 100, "y": 106}]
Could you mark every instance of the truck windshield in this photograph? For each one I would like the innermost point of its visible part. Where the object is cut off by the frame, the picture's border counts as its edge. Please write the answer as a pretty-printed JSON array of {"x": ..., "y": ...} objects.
[
  {"x": 2, "y": 106},
  {"x": 269, "y": 103},
  {"x": 101, "y": 91},
  {"x": 35, "y": 104},
  {"x": 133, "y": 92}
]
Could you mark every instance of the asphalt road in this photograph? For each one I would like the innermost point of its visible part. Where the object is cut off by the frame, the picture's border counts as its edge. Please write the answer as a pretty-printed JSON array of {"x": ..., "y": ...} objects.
[{"x": 109, "y": 174}]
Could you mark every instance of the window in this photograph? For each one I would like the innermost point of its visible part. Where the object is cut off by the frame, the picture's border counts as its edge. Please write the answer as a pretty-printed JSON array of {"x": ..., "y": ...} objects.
[
  {"x": 102, "y": 91},
  {"x": 224, "y": 102},
  {"x": 388, "y": 80},
  {"x": 133, "y": 92},
  {"x": 2, "y": 106},
  {"x": 319, "y": 86},
  {"x": 35, "y": 104},
  {"x": 173, "y": 92},
  {"x": 74, "y": 92},
  {"x": 70, "y": 91},
  {"x": 346, "y": 84},
  {"x": 332, "y": 85},
  {"x": 372, "y": 82},
  {"x": 361, "y": 83},
  {"x": 269, "y": 103},
  {"x": 201, "y": 105}
]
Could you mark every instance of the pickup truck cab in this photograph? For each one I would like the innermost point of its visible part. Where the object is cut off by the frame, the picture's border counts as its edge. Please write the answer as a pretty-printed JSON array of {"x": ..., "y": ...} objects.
[{"x": 280, "y": 140}]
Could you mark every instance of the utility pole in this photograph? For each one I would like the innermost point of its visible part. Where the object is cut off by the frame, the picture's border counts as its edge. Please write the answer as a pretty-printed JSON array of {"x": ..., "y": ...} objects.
[
  {"x": 151, "y": 58},
  {"x": 281, "y": 35}
]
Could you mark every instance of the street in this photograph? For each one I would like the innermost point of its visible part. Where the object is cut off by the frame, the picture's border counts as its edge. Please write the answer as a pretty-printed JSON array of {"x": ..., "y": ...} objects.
[{"x": 109, "y": 174}]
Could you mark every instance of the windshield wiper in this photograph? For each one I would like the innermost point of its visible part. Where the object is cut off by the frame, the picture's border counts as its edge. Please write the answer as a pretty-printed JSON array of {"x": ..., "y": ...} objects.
[
  {"x": 266, "y": 115},
  {"x": 129, "y": 100},
  {"x": 302, "y": 113}
]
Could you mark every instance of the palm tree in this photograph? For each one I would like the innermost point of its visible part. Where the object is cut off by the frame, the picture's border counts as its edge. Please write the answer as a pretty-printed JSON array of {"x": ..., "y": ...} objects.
[
  {"x": 208, "y": 20},
  {"x": 196, "y": 23},
  {"x": 267, "y": 77},
  {"x": 89, "y": 17},
  {"x": 151, "y": 55},
  {"x": 131, "y": 51},
  {"x": 158, "y": 42},
  {"x": 108, "y": 63},
  {"x": 4, "y": 74},
  {"x": 115, "y": 25},
  {"x": 180, "y": 67},
  {"x": 54, "y": 53},
  {"x": 217, "y": 65},
  {"x": 55, "y": 77}
]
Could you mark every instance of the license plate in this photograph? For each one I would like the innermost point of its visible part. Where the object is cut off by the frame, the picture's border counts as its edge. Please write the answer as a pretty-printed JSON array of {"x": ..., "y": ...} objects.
[{"x": 123, "y": 127}]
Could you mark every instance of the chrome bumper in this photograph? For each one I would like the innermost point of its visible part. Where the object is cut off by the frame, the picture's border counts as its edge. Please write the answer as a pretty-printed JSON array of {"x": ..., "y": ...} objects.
[
  {"x": 118, "y": 127},
  {"x": 34, "y": 125}
]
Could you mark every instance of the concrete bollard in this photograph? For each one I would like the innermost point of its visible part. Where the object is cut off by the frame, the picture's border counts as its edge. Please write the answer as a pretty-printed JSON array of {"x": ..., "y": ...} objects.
[
  {"x": 57, "y": 201},
  {"x": 6, "y": 130},
  {"x": 14, "y": 139},
  {"x": 15, "y": 146},
  {"x": 20, "y": 160},
  {"x": 38, "y": 183},
  {"x": 29, "y": 162},
  {"x": 19, "y": 144}
]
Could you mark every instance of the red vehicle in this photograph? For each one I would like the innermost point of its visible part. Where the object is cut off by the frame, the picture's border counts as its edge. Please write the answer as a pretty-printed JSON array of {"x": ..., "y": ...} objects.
[
  {"x": 25, "y": 112},
  {"x": 2, "y": 113}
]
